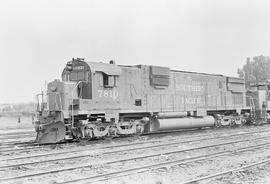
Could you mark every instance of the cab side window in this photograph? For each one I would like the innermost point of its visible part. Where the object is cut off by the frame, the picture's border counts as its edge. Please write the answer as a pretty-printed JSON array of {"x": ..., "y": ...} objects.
[{"x": 108, "y": 81}]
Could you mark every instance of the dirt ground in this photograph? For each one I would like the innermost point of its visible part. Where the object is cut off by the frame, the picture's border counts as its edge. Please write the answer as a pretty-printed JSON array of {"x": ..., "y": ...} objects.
[{"x": 20, "y": 122}]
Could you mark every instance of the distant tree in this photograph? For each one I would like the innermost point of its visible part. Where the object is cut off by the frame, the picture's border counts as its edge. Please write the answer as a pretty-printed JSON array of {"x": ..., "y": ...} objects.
[{"x": 255, "y": 70}]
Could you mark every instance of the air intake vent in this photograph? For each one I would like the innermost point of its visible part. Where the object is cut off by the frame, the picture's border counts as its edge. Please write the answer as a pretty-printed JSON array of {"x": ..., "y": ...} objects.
[{"x": 159, "y": 76}]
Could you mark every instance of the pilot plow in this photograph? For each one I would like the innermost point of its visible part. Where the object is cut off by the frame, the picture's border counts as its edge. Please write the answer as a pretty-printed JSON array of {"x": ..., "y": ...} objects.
[{"x": 50, "y": 133}]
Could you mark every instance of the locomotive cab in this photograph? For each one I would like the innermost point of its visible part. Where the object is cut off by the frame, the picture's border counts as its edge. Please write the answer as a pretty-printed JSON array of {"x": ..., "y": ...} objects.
[
  {"x": 79, "y": 71},
  {"x": 96, "y": 86}
]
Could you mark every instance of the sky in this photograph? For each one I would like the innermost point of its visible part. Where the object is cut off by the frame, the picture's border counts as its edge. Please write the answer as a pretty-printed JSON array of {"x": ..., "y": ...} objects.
[{"x": 38, "y": 37}]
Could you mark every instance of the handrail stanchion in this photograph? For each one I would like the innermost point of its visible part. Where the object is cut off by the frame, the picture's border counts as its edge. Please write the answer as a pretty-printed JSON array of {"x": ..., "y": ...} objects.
[{"x": 72, "y": 98}]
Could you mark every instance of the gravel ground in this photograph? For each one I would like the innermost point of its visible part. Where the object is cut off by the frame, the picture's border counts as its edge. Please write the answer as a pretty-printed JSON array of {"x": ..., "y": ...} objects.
[
  {"x": 174, "y": 174},
  {"x": 186, "y": 172},
  {"x": 260, "y": 174}
]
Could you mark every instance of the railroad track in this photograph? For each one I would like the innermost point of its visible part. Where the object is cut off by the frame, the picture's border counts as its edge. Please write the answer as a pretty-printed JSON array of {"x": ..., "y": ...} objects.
[
  {"x": 16, "y": 142},
  {"x": 11, "y": 136},
  {"x": 13, "y": 132},
  {"x": 17, "y": 136},
  {"x": 31, "y": 145},
  {"x": 134, "y": 170},
  {"x": 11, "y": 143},
  {"x": 136, "y": 158},
  {"x": 27, "y": 146},
  {"x": 16, "y": 131},
  {"x": 218, "y": 174},
  {"x": 183, "y": 131},
  {"x": 167, "y": 164},
  {"x": 90, "y": 147}
]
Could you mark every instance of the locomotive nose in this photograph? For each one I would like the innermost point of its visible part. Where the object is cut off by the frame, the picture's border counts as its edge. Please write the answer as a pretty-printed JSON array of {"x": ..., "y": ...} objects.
[
  {"x": 50, "y": 127},
  {"x": 50, "y": 133}
]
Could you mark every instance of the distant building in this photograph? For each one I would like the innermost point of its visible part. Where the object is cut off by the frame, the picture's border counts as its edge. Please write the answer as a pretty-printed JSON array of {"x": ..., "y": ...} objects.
[{"x": 7, "y": 108}]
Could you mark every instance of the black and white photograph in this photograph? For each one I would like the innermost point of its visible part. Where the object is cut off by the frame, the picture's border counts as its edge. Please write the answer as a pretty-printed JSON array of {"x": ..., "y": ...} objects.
[{"x": 135, "y": 92}]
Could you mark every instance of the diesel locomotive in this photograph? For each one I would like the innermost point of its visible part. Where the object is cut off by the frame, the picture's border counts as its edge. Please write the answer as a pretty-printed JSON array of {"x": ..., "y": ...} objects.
[{"x": 95, "y": 100}]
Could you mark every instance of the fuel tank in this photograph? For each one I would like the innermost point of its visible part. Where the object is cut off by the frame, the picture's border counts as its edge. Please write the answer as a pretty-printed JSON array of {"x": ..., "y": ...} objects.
[{"x": 184, "y": 123}]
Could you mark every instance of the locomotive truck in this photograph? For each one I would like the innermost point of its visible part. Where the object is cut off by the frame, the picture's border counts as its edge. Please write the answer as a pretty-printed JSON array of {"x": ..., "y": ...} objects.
[{"x": 95, "y": 100}]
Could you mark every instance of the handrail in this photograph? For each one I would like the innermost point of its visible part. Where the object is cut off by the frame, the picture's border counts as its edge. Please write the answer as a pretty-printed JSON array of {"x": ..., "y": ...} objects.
[
  {"x": 61, "y": 107},
  {"x": 37, "y": 98},
  {"x": 57, "y": 93},
  {"x": 72, "y": 98}
]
